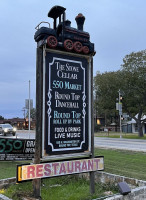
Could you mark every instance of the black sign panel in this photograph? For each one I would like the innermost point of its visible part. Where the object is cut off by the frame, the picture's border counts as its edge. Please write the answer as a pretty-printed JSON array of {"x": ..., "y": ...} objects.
[
  {"x": 66, "y": 104},
  {"x": 16, "y": 149}
]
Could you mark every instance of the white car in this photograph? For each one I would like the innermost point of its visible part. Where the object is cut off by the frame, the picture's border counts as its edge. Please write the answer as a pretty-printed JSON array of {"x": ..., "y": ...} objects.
[{"x": 6, "y": 129}]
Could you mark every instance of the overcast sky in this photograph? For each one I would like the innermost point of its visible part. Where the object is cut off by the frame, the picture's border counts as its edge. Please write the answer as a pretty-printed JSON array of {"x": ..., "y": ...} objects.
[{"x": 117, "y": 27}]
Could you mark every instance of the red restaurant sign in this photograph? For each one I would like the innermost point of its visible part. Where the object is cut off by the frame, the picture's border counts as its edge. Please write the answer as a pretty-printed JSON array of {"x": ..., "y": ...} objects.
[{"x": 44, "y": 170}]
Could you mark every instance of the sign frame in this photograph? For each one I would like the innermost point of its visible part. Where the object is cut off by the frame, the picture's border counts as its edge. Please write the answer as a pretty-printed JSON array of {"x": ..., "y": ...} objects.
[
  {"x": 27, "y": 104},
  {"x": 46, "y": 156},
  {"x": 59, "y": 168}
]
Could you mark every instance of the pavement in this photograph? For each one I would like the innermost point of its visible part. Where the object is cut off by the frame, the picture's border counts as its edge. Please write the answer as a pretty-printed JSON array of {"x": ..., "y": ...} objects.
[
  {"x": 102, "y": 142},
  {"x": 21, "y": 134},
  {"x": 25, "y": 134},
  {"x": 120, "y": 143},
  {"x": 99, "y": 142}
]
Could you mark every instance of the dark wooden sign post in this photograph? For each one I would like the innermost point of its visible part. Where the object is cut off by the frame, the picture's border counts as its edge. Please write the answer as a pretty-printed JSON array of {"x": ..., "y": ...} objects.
[
  {"x": 64, "y": 93},
  {"x": 39, "y": 103}
]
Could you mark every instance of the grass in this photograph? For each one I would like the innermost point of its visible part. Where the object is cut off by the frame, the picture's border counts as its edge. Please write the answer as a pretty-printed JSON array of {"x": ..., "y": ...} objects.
[
  {"x": 61, "y": 188},
  {"x": 122, "y": 162},
  {"x": 127, "y": 163},
  {"x": 8, "y": 168},
  {"x": 117, "y": 135}
]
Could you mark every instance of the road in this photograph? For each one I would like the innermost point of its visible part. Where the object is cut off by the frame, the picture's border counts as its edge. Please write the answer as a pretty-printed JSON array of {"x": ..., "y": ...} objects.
[
  {"x": 101, "y": 142},
  {"x": 25, "y": 134},
  {"x": 21, "y": 134},
  {"x": 120, "y": 143}
]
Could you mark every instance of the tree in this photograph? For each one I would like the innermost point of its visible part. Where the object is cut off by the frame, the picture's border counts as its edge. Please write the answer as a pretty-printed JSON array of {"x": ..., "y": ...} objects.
[
  {"x": 134, "y": 87},
  {"x": 1, "y": 117},
  {"x": 106, "y": 86},
  {"x": 131, "y": 80}
]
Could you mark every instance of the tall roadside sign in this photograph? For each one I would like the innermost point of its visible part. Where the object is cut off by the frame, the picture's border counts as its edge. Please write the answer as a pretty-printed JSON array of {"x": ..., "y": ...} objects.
[{"x": 64, "y": 103}]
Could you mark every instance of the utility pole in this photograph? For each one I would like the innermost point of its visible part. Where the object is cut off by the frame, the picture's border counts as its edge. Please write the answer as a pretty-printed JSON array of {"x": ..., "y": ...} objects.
[
  {"x": 23, "y": 109},
  {"x": 29, "y": 110},
  {"x": 120, "y": 112}
]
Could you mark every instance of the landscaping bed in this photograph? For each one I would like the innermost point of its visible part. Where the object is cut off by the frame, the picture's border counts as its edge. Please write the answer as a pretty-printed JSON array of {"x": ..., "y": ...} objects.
[
  {"x": 61, "y": 188},
  {"x": 120, "y": 162}
]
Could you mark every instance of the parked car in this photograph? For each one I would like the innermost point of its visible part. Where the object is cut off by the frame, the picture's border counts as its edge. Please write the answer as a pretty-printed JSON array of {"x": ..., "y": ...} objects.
[{"x": 6, "y": 129}]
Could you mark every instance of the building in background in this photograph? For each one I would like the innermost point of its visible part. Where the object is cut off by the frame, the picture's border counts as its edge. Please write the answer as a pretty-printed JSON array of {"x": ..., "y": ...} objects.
[
  {"x": 19, "y": 123},
  {"x": 131, "y": 126}
]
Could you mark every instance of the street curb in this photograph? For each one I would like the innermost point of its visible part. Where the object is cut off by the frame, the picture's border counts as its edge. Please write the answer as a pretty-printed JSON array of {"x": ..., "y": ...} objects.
[
  {"x": 105, "y": 177},
  {"x": 137, "y": 193},
  {"x": 2, "y": 197},
  {"x": 5, "y": 182}
]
